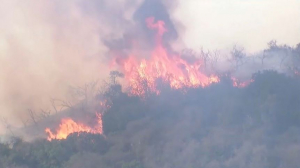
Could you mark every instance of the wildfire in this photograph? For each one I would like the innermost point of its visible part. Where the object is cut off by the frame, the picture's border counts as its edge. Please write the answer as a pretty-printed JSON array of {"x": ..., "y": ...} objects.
[
  {"x": 239, "y": 84},
  {"x": 297, "y": 73},
  {"x": 69, "y": 126},
  {"x": 143, "y": 74},
  {"x": 104, "y": 104}
]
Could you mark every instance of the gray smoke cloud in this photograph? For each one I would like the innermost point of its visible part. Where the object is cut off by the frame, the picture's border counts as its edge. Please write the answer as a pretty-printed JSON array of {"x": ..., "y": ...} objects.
[{"x": 47, "y": 46}]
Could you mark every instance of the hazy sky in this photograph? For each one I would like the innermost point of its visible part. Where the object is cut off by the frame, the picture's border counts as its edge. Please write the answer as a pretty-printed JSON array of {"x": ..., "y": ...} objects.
[{"x": 251, "y": 23}]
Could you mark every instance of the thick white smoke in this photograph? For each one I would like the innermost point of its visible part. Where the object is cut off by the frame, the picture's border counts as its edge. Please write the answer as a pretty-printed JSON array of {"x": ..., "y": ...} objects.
[
  {"x": 47, "y": 46},
  {"x": 218, "y": 24}
]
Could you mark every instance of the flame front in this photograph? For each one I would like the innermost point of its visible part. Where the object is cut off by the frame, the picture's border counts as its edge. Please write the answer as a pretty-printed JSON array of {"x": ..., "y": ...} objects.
[
  {"x": 170, "y": 68},
  {"x": 237, "y": 83},
  {"x": 69, "y": 126}
]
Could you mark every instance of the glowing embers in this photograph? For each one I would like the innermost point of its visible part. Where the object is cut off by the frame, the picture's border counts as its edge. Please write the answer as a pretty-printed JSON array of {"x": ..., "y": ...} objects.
[
  {"x": 69, "y": 126},
  {"x": 297, "y": 73},
  {"x": 239, "y": 84},
  {"x": 142, "y": 74}
]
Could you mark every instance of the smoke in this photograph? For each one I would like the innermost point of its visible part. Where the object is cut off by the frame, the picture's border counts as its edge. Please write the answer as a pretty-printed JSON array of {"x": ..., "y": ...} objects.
[
  {"x": 220, "y": 24},
  {"x": 218, "y": 126},
  {"x": 137, "y": 38},
  {"x": 156, "y": 9},
  {"x": 48, "y": 46}
]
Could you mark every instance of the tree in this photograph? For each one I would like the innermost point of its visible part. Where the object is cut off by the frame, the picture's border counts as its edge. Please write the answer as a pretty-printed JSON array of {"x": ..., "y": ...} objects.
[{"x": 238, "y": 57}]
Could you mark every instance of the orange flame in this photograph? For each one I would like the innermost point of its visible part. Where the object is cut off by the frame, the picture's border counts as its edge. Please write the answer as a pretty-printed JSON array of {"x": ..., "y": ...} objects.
[
  {"x": 69, "y": 126},
  {"x": 297, "y": 73},
  {"x": 239, "y": 84},
  {"x": 170, "y": 68}
]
